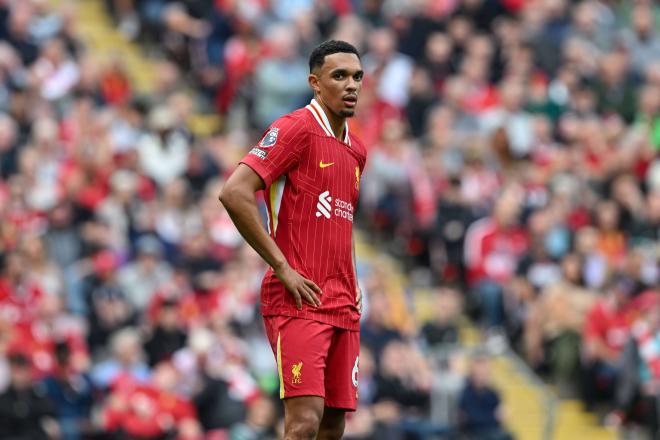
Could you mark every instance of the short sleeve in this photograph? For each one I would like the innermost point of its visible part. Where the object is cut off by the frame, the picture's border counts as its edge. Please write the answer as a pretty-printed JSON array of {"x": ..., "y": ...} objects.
[{"x": 279, "y": 149}]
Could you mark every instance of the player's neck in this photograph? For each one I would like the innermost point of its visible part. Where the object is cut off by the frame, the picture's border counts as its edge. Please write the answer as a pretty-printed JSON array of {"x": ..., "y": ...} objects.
[{"x": 337, "y": 123}]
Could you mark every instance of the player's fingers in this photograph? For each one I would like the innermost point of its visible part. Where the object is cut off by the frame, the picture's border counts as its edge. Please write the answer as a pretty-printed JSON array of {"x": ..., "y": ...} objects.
[
  {"x": 305, "y": 296},
  {"x": 298, "y": 299},
  {"x": 311, "y": 284},
  {"x": 312, "y": 298}
]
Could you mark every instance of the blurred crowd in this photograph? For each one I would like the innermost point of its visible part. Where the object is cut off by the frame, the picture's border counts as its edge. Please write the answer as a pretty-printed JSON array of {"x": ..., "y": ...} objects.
[{"x": 513, "y": 171}]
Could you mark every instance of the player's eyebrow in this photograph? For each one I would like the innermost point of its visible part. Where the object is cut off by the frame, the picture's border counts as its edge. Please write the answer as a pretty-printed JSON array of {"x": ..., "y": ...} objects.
[{"x": 346, "y": 72}]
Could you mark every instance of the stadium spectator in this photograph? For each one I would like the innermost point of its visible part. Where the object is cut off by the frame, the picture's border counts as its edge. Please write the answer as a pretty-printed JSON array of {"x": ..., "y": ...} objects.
[
  {"x": 70, "y": 390},
  {"x": 25, "y": 411},
  {"x": 106, "y": 302},
  {"x": 163, "y": 150},
  {"x": 443, "y": 328},
  {"x": 493, "y": 248},
  {"x": 150, "y": 410},
  {"x": 640, "y": 40},
  {"x": 19, "y": 295},
  {"x": 125, "y": 363},
  {"x": 148, "y": 272},
  {"x": 167, "y": 335},
  {"x": 636, "y": 391},
  {"x": 482, "y": 413},
  {"x": 375, "y": 330},
  {"x": 390, "y": 69},
  {"x": 606, "y": 331},
  {"x": 280, "y": 81},
  {"x": 402, "y": 400},
  {"x": 259, "y": 422},
  {"x": 554, "y": 324},
  {"x": 217, "y": 410}
]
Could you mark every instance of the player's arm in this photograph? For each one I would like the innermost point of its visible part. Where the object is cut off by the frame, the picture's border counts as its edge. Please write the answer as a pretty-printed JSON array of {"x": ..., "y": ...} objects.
[
  {"x": 238, "y": 197},
  {"x": 358, "y": 291}
]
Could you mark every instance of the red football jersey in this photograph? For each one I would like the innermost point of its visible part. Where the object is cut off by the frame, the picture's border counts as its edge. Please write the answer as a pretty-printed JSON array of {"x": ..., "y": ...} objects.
[{"x": 312, "y": 184}]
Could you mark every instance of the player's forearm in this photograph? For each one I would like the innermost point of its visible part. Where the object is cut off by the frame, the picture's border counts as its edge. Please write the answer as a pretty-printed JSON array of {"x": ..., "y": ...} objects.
[{"x": 242, "y": 208}]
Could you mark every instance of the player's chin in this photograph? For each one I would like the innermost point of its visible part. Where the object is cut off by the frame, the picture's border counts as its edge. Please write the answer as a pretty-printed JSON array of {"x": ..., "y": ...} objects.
[{"x": 346, "y": 113}]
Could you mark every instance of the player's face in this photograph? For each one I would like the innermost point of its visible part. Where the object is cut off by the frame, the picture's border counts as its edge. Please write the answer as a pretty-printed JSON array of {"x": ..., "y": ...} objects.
[{"x": 337, "y": 83}]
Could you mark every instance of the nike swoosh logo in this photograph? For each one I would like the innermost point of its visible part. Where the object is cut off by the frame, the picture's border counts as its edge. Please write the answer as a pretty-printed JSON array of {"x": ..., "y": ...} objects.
[{"x": 325, "y": 165}]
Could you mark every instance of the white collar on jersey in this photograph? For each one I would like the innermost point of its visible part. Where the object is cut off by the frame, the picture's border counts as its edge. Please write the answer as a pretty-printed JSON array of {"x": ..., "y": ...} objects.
[{"x": 317, "y": 111}]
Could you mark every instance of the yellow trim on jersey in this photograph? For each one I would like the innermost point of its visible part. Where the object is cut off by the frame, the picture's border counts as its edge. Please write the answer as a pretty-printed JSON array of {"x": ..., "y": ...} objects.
[
  {"x": 279, "y": 364},
  {"x": 273, "y": 196}
]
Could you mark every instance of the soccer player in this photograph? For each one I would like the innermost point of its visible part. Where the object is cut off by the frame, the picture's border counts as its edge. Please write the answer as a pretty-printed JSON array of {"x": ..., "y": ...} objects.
[{"x": 309, "y": 166}]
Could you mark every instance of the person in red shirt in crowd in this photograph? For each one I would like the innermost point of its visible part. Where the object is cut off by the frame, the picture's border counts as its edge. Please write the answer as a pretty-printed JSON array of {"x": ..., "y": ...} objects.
[
  {"x": 493, "y": 248},
  {"x": 19, "y": 297},
  {"x": 151, "y": 410},
  {"x": 310, "y": 167},
  {"x": 115, "y": 85},
  {"x": 40, "y": 336},
  {"x": 637, "y": 390},
  {"x": 606, "y": 330}
]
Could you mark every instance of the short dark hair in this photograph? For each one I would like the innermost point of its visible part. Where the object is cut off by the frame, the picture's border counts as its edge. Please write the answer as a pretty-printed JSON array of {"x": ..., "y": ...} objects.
[{"x": 317, "y": 58}]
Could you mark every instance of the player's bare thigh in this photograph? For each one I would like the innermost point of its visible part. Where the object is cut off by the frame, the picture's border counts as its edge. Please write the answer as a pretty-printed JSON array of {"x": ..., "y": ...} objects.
[
  {"x": 332, "y": 424},
  {"x": 305, "y": 417}
]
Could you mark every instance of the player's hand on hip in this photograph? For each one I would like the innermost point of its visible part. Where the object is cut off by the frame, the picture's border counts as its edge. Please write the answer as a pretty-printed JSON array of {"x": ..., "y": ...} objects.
[
  {"x": 358, "y": 298},
  {"x": 300, "y": 287}
]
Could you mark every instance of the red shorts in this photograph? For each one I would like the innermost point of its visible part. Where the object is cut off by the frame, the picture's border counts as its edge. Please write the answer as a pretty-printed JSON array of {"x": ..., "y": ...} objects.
[{"x": 315, "y": 359}]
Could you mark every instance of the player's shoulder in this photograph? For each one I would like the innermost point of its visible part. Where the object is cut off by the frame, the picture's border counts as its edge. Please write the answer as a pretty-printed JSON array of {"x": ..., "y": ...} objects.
[
  {"x": 289, "y": 129},
  {"x": 296, "y": 120}
]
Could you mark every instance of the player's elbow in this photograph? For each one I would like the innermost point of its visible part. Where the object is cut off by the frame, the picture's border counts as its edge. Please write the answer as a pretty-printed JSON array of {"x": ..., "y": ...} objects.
[
  {"x": 226, "y": 195},
  {"x": 230, "y": 195},
  {"x": 239, "y": 188}
]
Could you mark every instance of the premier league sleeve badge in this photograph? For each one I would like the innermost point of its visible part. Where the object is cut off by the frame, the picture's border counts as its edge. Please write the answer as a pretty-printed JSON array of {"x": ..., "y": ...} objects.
[{"x": 270, "y": 138}]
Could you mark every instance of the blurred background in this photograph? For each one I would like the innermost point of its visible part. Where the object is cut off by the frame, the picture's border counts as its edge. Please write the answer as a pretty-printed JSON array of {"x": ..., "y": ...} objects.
[{"x": 508, "y": 223}]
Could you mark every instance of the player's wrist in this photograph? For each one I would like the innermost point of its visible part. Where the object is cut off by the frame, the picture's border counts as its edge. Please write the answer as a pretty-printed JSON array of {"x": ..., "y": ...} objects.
[{"x": 279, "y": 266}]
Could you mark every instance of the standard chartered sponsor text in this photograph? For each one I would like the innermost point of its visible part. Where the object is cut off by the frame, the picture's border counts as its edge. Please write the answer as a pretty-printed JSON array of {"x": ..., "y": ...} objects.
[{"x": 342, "y": 209}]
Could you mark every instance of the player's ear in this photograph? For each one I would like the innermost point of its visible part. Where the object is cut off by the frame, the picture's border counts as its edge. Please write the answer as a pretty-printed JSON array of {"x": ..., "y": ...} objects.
[{"x": 313, "y": 81}]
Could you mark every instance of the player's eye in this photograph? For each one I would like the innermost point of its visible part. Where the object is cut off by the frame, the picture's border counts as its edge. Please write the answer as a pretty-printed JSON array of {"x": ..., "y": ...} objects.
[
  {"x": 338, "y": 76},
  {"x": 358, "y": 77}
]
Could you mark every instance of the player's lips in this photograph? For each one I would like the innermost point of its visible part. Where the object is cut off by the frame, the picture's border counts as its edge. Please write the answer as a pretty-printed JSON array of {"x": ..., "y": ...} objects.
[{"x": 350, "y": 100}]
